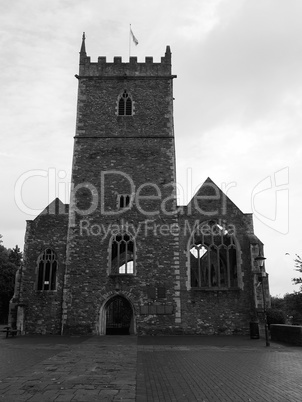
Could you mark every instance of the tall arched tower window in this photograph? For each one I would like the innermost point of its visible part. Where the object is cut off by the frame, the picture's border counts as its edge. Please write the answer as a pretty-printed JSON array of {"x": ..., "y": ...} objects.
[
  {"x": 122, "y": 259},
  {"x": 125, "y": 104},
  {"x": 47, "y": 270},
  {"x": 213, "y": 258}
]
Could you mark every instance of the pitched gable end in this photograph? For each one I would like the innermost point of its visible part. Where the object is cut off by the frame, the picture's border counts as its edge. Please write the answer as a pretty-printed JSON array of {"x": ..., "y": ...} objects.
[
  {"x": 56, "y": 207},
  {"x": 210, "y": 200}
]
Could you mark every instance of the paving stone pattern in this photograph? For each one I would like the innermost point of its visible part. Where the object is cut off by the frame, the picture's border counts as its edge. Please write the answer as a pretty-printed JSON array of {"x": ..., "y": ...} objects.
[
  {"x": 90, "y": 371},
  {"x": 148, "y": 369},
  {"x": 212, "y": 374}
]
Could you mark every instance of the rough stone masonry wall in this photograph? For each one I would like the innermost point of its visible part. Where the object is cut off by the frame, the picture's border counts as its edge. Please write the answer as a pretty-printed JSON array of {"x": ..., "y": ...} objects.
[
  {"x": 144, "y": 160},
  {"x": 142, "y": 148},
  {"x": 98, "y": 101},
  {"x": 43, "y": 308},
  {"x": 216, "y": 311}
]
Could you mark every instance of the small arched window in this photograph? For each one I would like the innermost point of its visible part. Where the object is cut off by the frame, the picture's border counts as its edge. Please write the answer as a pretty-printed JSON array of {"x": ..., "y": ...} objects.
[
  {"x": 122, "y": 254},
  {"x": 123, "y": 201},
  {"x": 125, "y": 104},
  {"x": 213, "y": 258},
  {"x": 47, "y": 270}
]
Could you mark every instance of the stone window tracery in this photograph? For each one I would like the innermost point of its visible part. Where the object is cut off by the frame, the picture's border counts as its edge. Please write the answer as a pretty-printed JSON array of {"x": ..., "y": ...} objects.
[
  {"x": 122, "y": 255},
  {"x": 213, "y": 258},
  {"x": 47, "y": 270},
  {"x": 123, "y": 201},
  {"x": 125, "y": 107}
]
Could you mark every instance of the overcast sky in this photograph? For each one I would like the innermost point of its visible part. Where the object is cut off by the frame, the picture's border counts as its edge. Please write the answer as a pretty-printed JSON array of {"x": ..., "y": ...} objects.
[{"x": 237, "y": 110}]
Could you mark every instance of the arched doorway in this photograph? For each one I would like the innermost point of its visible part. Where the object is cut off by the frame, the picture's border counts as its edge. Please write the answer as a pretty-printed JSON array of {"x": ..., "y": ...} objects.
[{"x": 119, "y": 316}]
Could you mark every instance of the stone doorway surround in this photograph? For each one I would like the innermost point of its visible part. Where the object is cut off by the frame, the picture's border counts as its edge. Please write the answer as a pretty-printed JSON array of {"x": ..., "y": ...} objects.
[{"x": 102, "y": 324}]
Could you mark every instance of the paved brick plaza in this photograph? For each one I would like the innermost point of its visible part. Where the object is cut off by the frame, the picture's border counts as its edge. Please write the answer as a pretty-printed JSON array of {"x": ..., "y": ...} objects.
[{"x": 126, "y": 368}]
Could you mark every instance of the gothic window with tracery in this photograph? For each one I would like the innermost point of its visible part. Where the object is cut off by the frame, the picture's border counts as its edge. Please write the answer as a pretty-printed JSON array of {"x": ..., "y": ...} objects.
[
  {"x": 47, "y": 270},
  {"x": 213, "y": 258},
  {"x": 122, "y": 254},
  {"x": 125, "y": 104}
]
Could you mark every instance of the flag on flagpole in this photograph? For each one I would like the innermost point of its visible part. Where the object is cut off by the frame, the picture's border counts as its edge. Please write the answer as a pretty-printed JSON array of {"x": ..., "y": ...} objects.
[{"x": 133, "y": 37}]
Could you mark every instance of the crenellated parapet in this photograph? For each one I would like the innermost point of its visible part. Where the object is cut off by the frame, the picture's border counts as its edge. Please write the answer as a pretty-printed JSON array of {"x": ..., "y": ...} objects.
[{"x": 130, "y": 69}]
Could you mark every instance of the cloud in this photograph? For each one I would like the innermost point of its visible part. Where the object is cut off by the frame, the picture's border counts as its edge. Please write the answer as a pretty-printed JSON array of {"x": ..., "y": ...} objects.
[{"x": 248, "y": 65}]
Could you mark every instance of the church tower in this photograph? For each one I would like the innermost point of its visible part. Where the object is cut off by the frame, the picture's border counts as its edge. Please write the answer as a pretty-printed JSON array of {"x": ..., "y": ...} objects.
[{"x": 122, "y": 259}]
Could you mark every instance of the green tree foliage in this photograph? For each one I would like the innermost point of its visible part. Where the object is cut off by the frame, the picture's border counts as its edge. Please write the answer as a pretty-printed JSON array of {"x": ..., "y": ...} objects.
[
  {"x": 10, "y": 261},
  {"x": 278, "y": 303},
  {"x": 15, "y": 256},
  {"x": 276, "y": 316},
  {"x": 298, "y": 267},
  {"x": 290, "y": 305},
  {"x": 293, "y": 303}
]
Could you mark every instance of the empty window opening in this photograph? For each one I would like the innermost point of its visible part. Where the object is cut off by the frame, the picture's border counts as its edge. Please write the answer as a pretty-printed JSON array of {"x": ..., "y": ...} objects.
[
  {"x": 123, "y": 201},
  {"x": 122, "y": 254},
  {"x": 47, "y": 270},
  {"x": 126, "y": 268},
  {"x": 213, "y": 260},
  {"x": 125, "y": 104}
]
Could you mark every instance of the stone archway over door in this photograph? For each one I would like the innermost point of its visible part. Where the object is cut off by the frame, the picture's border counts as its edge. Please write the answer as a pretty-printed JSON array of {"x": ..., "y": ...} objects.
[
  {"x": 119, "y": 316},
  {"x": 123, "y": 301}
]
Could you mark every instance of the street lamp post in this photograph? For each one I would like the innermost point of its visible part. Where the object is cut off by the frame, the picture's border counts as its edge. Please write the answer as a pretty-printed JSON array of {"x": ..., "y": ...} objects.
[{"x": 260, "y": 261}]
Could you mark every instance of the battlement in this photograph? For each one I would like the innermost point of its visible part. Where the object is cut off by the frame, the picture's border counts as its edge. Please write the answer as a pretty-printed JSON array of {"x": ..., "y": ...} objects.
[{"x": 132, "y": 68}]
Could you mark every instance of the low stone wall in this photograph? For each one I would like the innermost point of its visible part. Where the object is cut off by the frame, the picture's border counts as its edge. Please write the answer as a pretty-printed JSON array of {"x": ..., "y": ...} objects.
[{"x": 286, "y": 333}]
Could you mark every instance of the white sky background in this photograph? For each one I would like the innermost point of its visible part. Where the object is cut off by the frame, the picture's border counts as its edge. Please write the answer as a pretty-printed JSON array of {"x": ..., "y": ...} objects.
[{"x": 237, "y": 110}]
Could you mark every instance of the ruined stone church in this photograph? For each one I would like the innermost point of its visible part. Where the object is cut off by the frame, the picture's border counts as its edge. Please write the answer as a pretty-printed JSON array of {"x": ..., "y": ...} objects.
[{"x": 123, "y": 257}]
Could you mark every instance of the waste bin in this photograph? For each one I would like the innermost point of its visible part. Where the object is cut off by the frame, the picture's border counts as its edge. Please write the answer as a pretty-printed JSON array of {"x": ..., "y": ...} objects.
[{"x": 254, "y": 330}]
